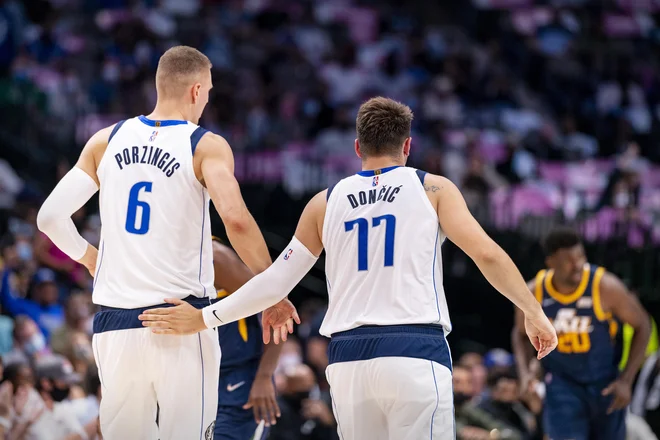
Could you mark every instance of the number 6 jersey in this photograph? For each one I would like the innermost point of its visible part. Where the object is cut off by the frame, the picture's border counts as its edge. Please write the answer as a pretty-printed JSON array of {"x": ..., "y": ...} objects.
[
  {"x": 383, "y": 261},
  {"x": 156, "y": 234}
]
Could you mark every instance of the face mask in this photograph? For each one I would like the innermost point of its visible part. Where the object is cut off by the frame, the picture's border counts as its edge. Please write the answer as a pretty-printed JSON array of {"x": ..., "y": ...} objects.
[
  {"x": 24, "y": 251},
  {"x": 36, "y": 343},
  {"x": 59, "y": 394},
  {"x": 461, "y": 398}
]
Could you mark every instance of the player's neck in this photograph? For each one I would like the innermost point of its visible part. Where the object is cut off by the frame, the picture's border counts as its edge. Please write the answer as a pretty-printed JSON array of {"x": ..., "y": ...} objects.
[
  {"x": 564, "y": 288},
  {"x": 377, "y": 163},
  {"x": 165, "y": 111}
]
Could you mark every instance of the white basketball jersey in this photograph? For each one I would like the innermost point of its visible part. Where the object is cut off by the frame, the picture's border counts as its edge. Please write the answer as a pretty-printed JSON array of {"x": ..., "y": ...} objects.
[
  {"x": 156, "y": 231},
  {"x": 383, "y": 261}
]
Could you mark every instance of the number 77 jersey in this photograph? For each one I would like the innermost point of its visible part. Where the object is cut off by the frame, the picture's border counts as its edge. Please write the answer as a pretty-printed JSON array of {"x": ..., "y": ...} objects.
[
  {"x": 383, "y": 261},
  {"x": 156, "y": 234}
]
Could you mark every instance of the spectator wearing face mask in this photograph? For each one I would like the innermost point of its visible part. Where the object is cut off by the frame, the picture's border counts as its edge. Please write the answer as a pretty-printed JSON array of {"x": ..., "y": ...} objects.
[
  {"x": 473, "y": 423},
  {"x": 55, "y": 377},
  {"x": 42, "y": 308},
  {"x": 29, "y": 342}
]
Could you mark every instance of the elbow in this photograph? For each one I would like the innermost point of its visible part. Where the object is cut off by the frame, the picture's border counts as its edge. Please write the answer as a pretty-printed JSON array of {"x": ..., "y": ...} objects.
[
  {"x": 236, "y": 223},
  {"x": 488, "y": 255},
  {"x": 45, "y": 220}
]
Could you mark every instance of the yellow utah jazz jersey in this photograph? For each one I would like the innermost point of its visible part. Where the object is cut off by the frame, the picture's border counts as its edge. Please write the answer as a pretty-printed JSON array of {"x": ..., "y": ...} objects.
[{"x": 587, "y": 350}]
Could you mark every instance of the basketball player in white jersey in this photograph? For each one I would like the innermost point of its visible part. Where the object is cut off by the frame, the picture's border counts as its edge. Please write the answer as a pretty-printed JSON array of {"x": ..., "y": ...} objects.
[
  {"x": 155, "y": 175},
  {"x": 390, "y": 366}
]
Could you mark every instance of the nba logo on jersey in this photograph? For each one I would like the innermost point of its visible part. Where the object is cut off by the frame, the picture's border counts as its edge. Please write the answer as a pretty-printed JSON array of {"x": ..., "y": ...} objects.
[
  {"x": 153, "y": 135},
  {"x": 374, "y": 182},
  {"x": 288, "y": 254}
]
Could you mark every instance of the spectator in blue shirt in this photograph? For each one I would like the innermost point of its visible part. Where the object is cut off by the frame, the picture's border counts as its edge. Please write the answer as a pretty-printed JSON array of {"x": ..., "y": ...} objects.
[{"x": 42, "y": 308}]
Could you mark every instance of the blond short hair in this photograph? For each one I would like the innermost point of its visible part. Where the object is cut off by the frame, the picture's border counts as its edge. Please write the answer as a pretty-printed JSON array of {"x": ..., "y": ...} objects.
[
  {"x": 178, "y": 68},
  {"x": 382, "y": 126}
]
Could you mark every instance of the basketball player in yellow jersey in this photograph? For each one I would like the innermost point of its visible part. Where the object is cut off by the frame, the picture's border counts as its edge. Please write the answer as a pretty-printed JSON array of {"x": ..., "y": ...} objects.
[{"x": 585, "y": 392}]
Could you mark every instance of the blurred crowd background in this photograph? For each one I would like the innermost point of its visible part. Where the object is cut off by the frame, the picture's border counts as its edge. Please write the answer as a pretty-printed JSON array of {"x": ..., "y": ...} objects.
[{"x": 543, "y": 112}]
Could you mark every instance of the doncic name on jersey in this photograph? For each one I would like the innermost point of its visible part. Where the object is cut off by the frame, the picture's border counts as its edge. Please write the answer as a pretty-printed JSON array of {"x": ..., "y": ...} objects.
[
  {"x": 148, "y": 155},
  {"x": 384, "y": 194}
]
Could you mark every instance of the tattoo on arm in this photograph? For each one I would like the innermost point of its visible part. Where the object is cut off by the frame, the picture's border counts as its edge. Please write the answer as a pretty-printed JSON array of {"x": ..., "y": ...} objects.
[{"x": 431, "y": 188}]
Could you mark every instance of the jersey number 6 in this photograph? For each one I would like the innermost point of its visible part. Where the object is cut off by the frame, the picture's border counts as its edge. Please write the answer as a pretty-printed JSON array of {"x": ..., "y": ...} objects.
[
  {"x": 133, "y": 205},
  {"x": 363, "y": 238}
]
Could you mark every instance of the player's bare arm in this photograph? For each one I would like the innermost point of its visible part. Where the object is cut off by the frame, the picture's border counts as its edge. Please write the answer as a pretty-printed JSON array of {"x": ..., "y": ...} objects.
[
  {"x": 230, "y": 274},
  {"x": 498, "y": 268},
  {"x": 68, "y": 196},
  {"x": 618, "y": 301},
  {"x": 521, "y": 349},
  {"x": 214, "y": 167},
  {"x": 261, "y": 292}
]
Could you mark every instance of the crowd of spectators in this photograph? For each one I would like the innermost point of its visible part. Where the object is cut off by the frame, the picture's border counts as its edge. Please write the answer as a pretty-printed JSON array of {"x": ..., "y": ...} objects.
[{"x": 547, "y": 108}]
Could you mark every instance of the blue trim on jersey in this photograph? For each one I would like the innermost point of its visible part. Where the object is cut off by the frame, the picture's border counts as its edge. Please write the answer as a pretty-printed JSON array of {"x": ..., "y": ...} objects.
[
  {"x": 201, "y": 357},
  {"x": 435, "y": 287},
  {"x": 195, "y": 137},
  {"x": 201, "y": 245},
  {"x": 115, "y": 129},
  {"x": 111, "y": 318},
  {"x": 98, "y": 271},
  {"x": 369, "y": 173},
  {"x": 417, "y": 341},
  {"x": 437, "y": 398},
  {"x": 163, "y": 123},
  {"x": 421, "y": 174},
  {"x": 330, "y": 188}
]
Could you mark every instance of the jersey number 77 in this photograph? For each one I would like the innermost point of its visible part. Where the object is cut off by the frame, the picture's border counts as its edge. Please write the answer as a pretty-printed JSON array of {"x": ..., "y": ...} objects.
[{"x": 363, "y": 238}]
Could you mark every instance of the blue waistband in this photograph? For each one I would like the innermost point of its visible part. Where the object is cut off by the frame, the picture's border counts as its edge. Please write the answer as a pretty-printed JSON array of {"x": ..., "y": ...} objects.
[
  {"x": 369, "y": 342},
  {"x": 112, "y": 318}
]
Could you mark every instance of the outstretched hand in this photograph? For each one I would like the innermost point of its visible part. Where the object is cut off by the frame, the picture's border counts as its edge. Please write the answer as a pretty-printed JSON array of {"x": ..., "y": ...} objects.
[
  {"x": 541, "y": 333},
  {"x": 279, "y": 318}
]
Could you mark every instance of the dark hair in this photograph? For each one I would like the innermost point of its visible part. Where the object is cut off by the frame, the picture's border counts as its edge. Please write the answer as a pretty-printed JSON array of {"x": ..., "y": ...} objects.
[
  {"x": 498, "y": 374},
  {"x": 382, "y": 126},
  {"x": 562, "y": 237}
]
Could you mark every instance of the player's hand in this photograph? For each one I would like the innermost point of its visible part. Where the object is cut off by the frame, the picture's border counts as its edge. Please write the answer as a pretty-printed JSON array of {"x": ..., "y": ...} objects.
[
  {"x": 89, "y": 259},
  {"x": 263, "y": 401},
  {"x": 182, "y": 319},
  {"x": 622, "y": 392},
  {"x": 280, "y": 318},
  {"x": 541, "y": 333}
]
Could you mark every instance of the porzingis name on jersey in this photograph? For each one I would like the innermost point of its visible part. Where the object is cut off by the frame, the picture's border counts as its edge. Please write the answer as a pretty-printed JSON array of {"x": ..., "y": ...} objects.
[
  {"x": 384, "y": 194},
  {"x": 148, "y": 155}
]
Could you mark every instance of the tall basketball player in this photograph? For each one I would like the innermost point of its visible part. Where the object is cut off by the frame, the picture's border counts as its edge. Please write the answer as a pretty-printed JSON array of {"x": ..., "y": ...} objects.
[
  {"x": 382, "y": 228},
  {"x": 155, "y": 175}
]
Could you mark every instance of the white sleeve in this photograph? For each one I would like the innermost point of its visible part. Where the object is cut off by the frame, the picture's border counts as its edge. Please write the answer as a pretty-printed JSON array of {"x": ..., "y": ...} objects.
[
  {"x": 264, "y": 290},
  {"x": 54, "y": 218}
]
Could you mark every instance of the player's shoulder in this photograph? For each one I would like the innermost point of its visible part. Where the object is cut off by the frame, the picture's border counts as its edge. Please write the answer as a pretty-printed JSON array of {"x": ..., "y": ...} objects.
[{"x": 206, "y": 142}]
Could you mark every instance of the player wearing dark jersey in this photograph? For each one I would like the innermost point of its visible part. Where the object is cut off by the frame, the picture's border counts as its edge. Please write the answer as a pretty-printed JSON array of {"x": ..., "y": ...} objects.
[
  {"x": 585, "y": 392},
  {"x": 246, "y": 394}
]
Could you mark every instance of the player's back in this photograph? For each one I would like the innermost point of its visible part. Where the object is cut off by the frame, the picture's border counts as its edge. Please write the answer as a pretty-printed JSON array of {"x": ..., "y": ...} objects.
[
  {"x": 383, "y": 259},
  {"x": 155, "y": 238}
]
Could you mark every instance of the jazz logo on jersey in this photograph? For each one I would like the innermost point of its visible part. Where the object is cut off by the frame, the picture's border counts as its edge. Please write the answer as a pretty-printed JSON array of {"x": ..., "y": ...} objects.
[
  {"x": 572, "y": 332},
  {"x": 288, "y": 254},
  {"x": 374, "y": 182},
  {"x": 153, "y": 136}
]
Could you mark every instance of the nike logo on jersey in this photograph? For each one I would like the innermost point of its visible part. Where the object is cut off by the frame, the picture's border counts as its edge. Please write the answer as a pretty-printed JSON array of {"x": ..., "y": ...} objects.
[
  {"x": 584, "y": 303},
  {"x": 235, "y": 386},
  {"x": 548, "y": 301},
  {"x": 216, "y": 316}
]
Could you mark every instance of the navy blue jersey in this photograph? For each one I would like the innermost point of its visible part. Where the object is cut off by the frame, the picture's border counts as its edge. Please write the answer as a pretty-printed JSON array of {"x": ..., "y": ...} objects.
[
  {"x": 240, "y": 341},
  {"x": 586, "y": 352}
]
